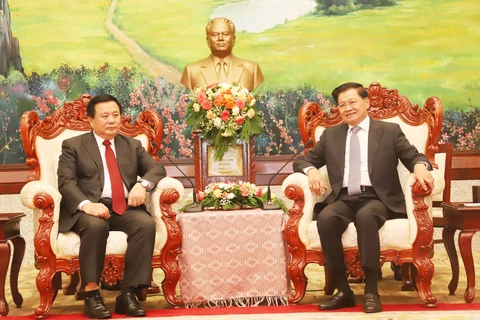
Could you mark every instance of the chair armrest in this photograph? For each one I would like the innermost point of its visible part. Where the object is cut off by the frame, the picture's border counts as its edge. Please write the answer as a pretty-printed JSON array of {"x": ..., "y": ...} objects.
[
  {"x": 419, "y": 205},
  {"x": 296, "y": 188},
  {"x": 159, "y": 203},
  {"x": 44, "y": 200}
]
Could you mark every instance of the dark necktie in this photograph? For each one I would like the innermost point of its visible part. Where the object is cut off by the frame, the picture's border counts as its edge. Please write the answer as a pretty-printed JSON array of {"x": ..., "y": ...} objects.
[
  {"x": 118, "y": 195},
  {"x": 354, "y": 164}
]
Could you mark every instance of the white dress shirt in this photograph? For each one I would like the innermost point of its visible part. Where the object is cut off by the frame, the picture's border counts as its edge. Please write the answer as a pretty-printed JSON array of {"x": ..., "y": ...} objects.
[{"x": 363, "y": 139}]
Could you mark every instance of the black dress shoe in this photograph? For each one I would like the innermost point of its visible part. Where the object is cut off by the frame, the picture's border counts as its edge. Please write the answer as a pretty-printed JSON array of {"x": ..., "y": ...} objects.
[
  {"x": 372, "y": 303},
  {"x": 339, "y": 300},
  {"x": 127, "y": 304},
  {"x": 94, "y": 308}
]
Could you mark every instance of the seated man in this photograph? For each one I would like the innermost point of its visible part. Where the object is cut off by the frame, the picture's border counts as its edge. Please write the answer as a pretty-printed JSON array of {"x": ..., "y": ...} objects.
[
  {"x": 361, "y": 156},
  {"x": 97, "y": 177}
]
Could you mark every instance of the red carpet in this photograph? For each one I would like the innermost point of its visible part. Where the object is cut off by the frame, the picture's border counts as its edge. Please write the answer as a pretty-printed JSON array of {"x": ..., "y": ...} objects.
[{"x": 273, "y": 310}]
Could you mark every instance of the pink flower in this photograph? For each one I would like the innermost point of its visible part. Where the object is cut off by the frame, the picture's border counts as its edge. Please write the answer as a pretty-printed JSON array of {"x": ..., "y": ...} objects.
[
  {"x": 239, "y": 120},
  {"x": 211, "y": 85},
  {"x": 243, "y": 191},
  {"x": 258, "y": 192},
  {"x": 201, "y": 97},
  {"x": 200, "y": 195},
  {"x": 206, "y": 105},
  {"x": 240, "y": 103},
  {"x": 225, "y": 115}
]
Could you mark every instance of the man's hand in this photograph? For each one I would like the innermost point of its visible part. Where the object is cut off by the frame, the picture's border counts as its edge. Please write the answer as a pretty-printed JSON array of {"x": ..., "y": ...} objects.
[
  {"x": 96, "y": 210},
  {"x": 137, "y": 195},
  {"x": 423, "y": 176},
  {"x": 315, "y": 182}
]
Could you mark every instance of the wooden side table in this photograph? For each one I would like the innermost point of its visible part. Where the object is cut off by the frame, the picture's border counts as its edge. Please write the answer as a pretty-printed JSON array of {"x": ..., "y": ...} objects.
[
  {"x": 467, "y": 220},
  {"x": 10, "y": 230}
]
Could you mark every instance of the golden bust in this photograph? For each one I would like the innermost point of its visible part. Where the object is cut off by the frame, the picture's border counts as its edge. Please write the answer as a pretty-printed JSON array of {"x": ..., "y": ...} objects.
[{"x": 221, "y": 65}]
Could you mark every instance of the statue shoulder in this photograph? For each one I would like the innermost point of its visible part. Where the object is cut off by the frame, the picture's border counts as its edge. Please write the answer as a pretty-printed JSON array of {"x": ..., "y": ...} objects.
[{"x": 198, "y": 64}]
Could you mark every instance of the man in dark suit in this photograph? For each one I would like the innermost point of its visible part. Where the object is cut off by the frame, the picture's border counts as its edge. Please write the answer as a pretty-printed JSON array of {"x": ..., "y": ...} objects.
[
  {"x": 222, "y": 66},
  {"x": 97, "y": 177},
  {"x": 361, "y": 156}
]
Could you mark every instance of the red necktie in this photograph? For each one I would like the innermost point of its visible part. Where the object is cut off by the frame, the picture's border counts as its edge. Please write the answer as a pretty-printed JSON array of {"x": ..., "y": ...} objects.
[{"x": 118, "y": 194}]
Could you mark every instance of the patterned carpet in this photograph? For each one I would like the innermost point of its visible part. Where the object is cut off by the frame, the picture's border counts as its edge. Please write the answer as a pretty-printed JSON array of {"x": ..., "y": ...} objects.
[{"x": 389, "y": 290}]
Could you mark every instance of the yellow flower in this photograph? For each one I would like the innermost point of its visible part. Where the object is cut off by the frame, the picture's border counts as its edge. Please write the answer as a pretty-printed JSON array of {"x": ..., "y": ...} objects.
[
  {"x": 250, "y": 113},
  {"x": 217, "y": 193},
  {"x": 252, "y": 103},
  {"x": 235, "y": 111},
  {"x": 196, "y": 107},
  {"x": 210, "y": 114}
]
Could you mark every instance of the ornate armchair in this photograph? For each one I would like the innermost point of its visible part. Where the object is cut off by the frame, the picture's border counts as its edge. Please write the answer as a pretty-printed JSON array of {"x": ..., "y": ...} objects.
[
  {"x": 58, "y": 252},
  {"x": 403, "y": 241}
]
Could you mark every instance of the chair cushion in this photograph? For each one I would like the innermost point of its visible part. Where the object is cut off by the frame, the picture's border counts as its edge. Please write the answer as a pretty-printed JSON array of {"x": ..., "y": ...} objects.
[
  {"x": 68, "y": 244},
  {"x": 395, "y": 234}
]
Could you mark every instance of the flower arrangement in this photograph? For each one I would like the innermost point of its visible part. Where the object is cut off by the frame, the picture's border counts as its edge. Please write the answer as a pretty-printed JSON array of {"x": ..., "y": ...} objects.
[
  {"x": 235, "y": 195},
  {"x": 224, "y": 113}
]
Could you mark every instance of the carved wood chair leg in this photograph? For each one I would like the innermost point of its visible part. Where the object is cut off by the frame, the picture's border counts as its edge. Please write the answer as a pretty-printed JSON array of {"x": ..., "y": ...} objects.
[
  {"x": 45, "y": 289},
  {"x": 72, "y": 285}
]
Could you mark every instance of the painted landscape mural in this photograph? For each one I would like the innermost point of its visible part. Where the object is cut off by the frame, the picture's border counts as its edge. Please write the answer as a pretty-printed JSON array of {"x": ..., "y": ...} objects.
[{"x": 52, "y": 51}]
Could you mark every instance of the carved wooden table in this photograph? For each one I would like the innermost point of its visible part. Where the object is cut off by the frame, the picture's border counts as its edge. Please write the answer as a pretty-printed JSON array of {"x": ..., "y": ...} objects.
[
  {"x": 10, "y": 230},
  {"x": 467, "y": 220}
]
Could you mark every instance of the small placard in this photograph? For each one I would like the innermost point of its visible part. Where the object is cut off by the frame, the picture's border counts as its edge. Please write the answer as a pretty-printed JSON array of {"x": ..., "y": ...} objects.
[{"x": 231, "y": 165}]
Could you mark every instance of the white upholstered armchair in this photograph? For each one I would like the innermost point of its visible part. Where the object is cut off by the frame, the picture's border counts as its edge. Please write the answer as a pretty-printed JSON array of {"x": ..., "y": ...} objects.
[
  {"x": 58, "y": 252},
  {"x": 402, "y": 241}
]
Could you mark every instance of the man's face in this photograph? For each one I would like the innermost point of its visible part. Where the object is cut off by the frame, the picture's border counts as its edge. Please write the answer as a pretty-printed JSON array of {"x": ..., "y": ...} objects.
[
  {"x": 106, "y": 121},
  {"x": 352, "y": 107},
  {"x": 220, "y": 39}
]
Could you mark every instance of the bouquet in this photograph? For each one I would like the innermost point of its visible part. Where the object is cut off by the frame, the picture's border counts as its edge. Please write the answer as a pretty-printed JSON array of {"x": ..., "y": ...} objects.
[
  {"x": 224, "y": 113},
  {"x": 235, "y": 195}
]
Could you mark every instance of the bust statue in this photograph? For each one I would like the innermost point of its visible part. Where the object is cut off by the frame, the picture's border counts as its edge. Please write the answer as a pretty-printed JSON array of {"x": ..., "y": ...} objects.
[{"x": 221, "y": 66}]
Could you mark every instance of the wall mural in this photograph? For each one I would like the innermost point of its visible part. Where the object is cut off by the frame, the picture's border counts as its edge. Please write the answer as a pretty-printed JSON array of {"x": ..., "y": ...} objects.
[{"x": 52, "y": 51}]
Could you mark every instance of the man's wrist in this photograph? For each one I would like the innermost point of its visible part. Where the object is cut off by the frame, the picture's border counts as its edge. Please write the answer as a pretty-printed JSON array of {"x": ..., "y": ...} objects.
[
  {"x": 426, "y": 164},
  {"x": 144, "y": 183}
]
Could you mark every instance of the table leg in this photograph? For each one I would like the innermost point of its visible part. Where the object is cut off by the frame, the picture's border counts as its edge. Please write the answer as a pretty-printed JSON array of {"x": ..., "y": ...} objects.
[
  {"x": 18, "y": 253},
  {"x": 4, "y": 262},
  {"x": 465, "y": 244},
  {"x": 447, "y": 236}
]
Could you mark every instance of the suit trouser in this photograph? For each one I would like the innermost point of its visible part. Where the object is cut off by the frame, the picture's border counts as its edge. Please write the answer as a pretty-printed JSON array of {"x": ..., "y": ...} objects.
[
  {"x": 139, "y": 226},
  {"x": 368, "y": 214}
]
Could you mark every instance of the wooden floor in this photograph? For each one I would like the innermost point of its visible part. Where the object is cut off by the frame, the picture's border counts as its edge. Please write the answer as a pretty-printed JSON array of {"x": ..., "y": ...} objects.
[{"x": 389, "y": 289}]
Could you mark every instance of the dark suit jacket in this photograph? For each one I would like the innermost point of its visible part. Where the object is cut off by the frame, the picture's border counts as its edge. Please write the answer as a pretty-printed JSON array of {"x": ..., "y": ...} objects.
[
  {"x": 81, "y": 177},
  {"x": 386, "y": 145},
  {"x": 202, "y": 73}
]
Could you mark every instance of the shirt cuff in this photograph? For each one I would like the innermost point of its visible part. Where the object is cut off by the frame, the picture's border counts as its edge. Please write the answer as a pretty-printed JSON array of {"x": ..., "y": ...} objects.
[
  {"x": 84, "y": 202},
  {"x": 427, "y": 165},
  {"x": 308, "y": 168}
]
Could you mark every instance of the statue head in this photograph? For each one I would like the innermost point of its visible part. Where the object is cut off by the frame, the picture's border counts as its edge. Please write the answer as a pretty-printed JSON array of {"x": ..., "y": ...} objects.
[{"x": 220, "y": 36}]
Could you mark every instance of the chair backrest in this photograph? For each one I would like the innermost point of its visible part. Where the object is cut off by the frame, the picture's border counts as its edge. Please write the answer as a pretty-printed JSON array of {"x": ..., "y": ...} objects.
[
  {"x": 42, "y": 139},
  {"x": 421, "y": 126}
]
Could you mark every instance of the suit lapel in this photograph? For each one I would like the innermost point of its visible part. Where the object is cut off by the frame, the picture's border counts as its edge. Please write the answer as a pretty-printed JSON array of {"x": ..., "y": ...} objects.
[
  {"x": 208, "y": 72},
  {"x": 93, "y": 151},
  {"x": 341, "y": 142},
  {"x": 235, "y": 70},
  {"x": 374, "y": 136}
]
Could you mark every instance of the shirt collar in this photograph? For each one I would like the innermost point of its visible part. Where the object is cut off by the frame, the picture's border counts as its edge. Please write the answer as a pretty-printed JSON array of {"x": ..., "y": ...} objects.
[
  {"x": 100, "y": 140},
  {"x": 216, "y": 60},
  {"x": 364, "y": 125}
]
